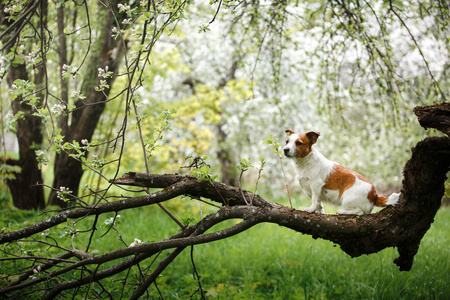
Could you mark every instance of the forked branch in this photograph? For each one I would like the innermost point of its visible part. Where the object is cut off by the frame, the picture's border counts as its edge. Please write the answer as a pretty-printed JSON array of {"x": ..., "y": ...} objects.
[{"x": 402, "y": 226}]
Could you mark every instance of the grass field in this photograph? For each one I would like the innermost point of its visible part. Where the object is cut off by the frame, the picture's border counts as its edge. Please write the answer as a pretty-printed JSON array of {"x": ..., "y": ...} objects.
[{"x": 271, "y": 262}]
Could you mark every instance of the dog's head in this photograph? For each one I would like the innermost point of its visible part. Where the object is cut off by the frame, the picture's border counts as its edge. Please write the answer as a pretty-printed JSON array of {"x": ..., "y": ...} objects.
[{"x": 299, "y": 145}]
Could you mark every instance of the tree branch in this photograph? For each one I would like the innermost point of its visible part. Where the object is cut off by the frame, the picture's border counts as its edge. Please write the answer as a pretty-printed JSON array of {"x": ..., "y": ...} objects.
[
  {"x": 402, "y": 226},
  {"x": 435, "y": 116}
]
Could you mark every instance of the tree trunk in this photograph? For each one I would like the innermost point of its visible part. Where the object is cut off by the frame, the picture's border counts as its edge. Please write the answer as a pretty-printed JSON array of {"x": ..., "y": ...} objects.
[
  {"x": 106, "y": 52},
  {"x": 434, "y": 116},
  {"x": 25, "y": 191},
  {"x": 225, "y": 157}
]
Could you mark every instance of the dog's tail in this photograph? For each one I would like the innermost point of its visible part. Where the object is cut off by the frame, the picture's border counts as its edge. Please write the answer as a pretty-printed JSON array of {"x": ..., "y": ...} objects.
[{"x": 383, "y": 201}]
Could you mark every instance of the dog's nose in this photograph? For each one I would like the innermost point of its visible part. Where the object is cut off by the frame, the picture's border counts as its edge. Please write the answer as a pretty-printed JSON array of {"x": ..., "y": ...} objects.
[{"x": 285, "y": 150}]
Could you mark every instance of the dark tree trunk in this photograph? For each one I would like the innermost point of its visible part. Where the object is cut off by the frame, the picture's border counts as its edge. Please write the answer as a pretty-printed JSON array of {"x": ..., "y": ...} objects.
[
  {"x": 106, "y": 52},
  {"x": 225, "y": 156},
  {"x": 25, "y": 191}
]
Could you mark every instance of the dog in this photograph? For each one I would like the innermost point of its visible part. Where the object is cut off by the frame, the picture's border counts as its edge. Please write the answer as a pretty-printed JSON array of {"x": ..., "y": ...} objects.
[{"x": 326, "y": 181}]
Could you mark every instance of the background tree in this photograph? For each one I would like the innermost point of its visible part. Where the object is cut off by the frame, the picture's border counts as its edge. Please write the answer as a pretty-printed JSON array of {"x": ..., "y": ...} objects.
[
  {"x": 103, "y": 64},
  {"x": 80, "y": 103},
  {"x": 29, "y": 82}
]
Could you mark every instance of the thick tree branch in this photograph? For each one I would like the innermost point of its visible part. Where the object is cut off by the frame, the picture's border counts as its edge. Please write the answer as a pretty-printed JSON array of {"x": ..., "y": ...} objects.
[
  {"x": 435, "y": 116},
  {"x": 402, "y": 226}
]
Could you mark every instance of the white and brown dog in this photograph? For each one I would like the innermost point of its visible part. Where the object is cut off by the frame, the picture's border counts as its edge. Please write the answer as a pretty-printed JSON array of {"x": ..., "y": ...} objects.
[{"x": 327, "y": 181}]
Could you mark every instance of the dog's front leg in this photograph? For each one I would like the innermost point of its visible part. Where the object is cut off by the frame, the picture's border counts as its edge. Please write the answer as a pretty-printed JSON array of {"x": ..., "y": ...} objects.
[{"x": 316, "y": 205}]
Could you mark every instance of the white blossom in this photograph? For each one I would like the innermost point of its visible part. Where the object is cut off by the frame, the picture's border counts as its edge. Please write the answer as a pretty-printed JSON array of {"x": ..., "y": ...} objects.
[{"x": 135, "y": 243}]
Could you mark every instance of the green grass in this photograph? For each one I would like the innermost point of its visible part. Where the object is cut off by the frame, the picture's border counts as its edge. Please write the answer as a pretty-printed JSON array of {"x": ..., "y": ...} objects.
[{"x": 271, "y": 262}]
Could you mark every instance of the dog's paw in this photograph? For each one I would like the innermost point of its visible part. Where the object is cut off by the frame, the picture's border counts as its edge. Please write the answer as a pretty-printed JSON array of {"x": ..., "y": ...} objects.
[{"x": 310, "y": 209}]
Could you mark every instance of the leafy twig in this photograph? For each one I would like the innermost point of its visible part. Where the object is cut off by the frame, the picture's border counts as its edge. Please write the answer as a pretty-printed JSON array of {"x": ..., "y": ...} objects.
[{"x": 276, "y": 146}]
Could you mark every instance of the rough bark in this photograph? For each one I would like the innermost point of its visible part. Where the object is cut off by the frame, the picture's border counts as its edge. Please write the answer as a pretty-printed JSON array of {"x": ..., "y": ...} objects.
[
  {"x": 107, "y": 51},
  {"x": 435, "y": 116},
  {"x": 25, "y": 192}
]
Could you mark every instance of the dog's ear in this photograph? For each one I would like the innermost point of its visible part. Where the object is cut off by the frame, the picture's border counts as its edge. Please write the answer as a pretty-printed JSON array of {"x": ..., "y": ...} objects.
[
  {"x": 312, "y": 136},
  {"x": 290, "y": 131}
]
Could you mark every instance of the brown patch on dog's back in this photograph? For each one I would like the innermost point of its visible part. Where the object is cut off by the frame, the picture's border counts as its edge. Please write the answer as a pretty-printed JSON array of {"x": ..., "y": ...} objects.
[{"x": 340, "y": 179}]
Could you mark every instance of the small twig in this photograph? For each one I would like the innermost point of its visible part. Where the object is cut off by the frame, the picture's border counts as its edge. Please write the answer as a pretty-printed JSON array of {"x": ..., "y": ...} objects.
[
  {"x": 276, "y": 149},
  {"x": 225, "y": 202},
  {"x": 240, "y": 187},
  {"x": 196, "y": 276},
  {"x": 152, "y": 278},
  {"x": 285, "y": 182},
  {"x": 257, "y": 180},
  {"x": 204, "y": 201},
  {"x": 119, "y": 236},
  {"x": 159, "y": 291},
  {"x": 197, "y": 163},
  {"x": 171, "y": 215},
  {"x": 94, "y": 227},
  {"x": 427, "y": 66},
  {"x": 217, "y": 12}
]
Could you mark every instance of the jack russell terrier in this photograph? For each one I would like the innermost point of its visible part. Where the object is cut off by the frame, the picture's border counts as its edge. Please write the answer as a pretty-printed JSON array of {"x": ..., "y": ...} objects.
[{"x": 327, "y": 181}]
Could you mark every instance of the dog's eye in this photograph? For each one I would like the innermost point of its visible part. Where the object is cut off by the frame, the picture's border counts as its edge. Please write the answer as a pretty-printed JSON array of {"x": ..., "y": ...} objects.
[
  {"x": 287, "y": 141},
  {"x": 298, "y": 143}
]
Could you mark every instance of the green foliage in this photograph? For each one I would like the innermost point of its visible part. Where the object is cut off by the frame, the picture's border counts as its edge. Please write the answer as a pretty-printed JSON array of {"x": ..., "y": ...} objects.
[
  {"x": 7, "y": 171},
  {"x": 64, "y": 193},
  {"x": 276, "y": 146},
  {"x": 200, "y": 169},
  {"x": 163, "y": 124}
]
